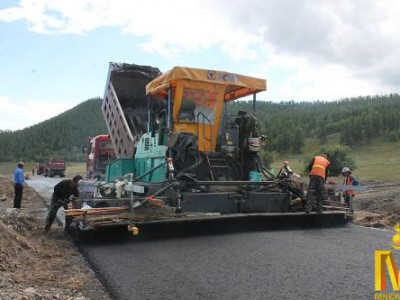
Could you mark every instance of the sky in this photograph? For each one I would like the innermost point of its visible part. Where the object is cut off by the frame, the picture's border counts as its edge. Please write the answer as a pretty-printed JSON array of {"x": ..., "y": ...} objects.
[{"x": 54, "y": 54}]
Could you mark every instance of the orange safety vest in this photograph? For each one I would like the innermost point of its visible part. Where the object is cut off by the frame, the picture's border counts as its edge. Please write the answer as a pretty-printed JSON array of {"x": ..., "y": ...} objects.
[
  {"x": 319, "y": 166},
  {"x": 347, "y": 181}
]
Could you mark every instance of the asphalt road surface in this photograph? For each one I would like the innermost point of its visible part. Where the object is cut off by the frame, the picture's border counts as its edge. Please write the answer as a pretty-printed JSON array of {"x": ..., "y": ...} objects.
[
  {"x": 312, "y": 263},
  {"x": 330, "y": 263}
]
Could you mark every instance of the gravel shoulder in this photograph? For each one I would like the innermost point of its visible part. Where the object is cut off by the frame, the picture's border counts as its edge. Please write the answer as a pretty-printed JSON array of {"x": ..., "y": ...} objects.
[{"x": 38, "y": 266}]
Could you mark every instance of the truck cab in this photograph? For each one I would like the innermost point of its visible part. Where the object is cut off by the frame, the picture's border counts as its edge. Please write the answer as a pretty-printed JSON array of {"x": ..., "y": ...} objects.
[{"x": 99, "y": 153}]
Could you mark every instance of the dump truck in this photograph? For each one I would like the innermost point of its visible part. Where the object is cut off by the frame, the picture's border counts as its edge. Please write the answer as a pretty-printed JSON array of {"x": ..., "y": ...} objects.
[
  {"x": 99, "y": 154},
  {"x": 183, "y": 156},
  {"x": 52, "y": 167}
]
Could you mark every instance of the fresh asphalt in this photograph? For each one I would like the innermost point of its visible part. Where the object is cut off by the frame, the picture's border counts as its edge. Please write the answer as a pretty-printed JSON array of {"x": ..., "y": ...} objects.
[
  {"x": 291, "y": 263},
  {"x": 312, "y": 263}
]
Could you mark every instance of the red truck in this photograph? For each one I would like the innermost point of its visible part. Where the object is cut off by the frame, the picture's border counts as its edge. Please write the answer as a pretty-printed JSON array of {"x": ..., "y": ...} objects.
[
  {"x": 99, "y": 153},
  {"x": 52, "y": 167}
]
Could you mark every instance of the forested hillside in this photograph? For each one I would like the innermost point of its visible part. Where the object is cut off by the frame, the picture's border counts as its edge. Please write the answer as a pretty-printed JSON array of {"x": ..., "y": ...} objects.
[
  {"x": 61, "y": 136},
  {"x": 358, "y": 121}
]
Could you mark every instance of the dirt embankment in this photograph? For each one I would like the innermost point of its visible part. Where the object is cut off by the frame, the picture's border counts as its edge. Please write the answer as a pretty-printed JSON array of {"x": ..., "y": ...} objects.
[
  {"x": 38, "y": 266},
  {"x": 379, "y": 205}
]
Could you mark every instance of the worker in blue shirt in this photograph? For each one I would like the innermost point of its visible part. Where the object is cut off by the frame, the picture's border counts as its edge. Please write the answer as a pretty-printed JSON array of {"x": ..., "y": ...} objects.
[{"x": 19, "y": 181}]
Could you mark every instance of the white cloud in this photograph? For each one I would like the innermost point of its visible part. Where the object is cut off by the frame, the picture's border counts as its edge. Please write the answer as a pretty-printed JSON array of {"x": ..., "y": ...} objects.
[
  {"x": 16, "y": 115},
  {"x": 171, "y": 27},
  {"x": 332, "y": 48}
]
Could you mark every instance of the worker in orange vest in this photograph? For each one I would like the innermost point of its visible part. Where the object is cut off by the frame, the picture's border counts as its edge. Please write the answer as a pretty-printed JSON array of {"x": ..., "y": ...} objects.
[
  {"x": 318, "y": 173},
  {"x": 351, "y": 181}
]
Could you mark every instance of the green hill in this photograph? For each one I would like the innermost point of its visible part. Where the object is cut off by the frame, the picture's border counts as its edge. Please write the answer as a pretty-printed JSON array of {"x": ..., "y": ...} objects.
[
  {"x": 370, "y": 126},
  {"x": 358, "y": 121},
  {"x": 61, "y": 136}
]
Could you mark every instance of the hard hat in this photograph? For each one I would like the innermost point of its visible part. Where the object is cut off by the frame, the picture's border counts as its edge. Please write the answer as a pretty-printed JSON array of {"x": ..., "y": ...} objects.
[
  {"x": 346, "y": 169},
  {"x": 20, "y": 164}
]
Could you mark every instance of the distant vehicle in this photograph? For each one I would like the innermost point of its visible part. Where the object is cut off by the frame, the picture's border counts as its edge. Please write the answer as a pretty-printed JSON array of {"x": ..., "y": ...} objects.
[
  {"x": 99, "y": 154},
  {"x": 52, "y": 167}
]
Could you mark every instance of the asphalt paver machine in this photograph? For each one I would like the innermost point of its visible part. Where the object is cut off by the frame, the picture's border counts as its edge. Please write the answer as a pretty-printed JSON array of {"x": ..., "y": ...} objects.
[{"x": 182, "y": 156}]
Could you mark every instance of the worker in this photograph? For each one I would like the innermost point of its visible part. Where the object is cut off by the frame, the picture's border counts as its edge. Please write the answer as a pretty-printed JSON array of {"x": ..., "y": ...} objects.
[
  {"x": 349, "y": 180},
  {"x": 61, "y": 197},
  {"x": 19, "y": 182},
  {"x": 187, "y": 111},
  {"x": 285, "y": 171},
  {"x": 318, "y": 173}
]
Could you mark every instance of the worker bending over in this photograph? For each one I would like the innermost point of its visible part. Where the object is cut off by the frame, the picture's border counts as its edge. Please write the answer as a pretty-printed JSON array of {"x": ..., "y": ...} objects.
[{"x": 61, "y": 197}]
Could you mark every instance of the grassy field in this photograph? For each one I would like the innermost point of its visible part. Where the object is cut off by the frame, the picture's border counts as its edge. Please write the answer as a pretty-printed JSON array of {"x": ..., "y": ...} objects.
[
  {"x": 73, "y": 168},
  {"x": 377, "y": 161}
]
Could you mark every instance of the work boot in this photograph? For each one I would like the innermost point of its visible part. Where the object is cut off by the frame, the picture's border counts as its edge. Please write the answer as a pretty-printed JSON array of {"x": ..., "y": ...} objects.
[{"x": 46, "y": 229}]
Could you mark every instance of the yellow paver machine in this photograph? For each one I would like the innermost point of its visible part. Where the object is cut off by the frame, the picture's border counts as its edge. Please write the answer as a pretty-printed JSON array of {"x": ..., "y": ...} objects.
[{"x": 184, "y": 156}]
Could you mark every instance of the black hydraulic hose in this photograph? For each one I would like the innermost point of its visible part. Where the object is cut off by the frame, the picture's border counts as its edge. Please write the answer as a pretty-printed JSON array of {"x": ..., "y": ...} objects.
[{"x": 198, "y": 161}]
